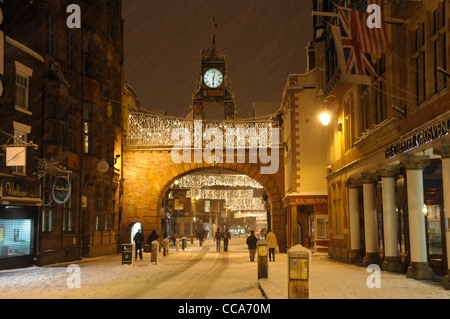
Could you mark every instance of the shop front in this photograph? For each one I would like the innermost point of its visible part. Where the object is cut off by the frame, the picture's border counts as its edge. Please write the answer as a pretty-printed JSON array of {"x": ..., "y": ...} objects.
[
  {"x": 19, "y": 209},
  {"x": 307, "y": 220},
  {"x": 398, "y": 204}
]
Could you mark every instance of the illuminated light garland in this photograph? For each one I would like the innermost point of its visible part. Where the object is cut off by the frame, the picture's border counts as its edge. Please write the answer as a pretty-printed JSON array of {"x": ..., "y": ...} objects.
[
  {"x": 235, "y": 200},
  {"x": 199, "y": 181},
  {"x": 155, "y": 130}
]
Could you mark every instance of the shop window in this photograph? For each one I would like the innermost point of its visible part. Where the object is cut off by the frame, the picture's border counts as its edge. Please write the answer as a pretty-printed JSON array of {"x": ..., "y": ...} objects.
[
  {"x": 434, "y": 232},
  {"x": 322, "y": 227},
  {"x": 16, "y": 237}
]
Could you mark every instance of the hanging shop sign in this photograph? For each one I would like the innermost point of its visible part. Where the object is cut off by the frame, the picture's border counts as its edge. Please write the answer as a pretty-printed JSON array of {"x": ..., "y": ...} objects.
[
  {"x": 16, "y": 156},
  {"x": 419, "y": 137},
  {"x": 61, "y": 190},
  {"x": 19, "y": 188}
]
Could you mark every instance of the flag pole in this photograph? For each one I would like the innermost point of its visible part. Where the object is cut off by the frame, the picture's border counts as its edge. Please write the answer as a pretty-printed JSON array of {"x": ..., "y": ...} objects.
[{"x": 336, "y": 15}]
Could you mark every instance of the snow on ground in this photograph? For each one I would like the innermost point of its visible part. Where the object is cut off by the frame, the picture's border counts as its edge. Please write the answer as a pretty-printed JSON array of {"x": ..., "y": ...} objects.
[
  {"x": 203, "y": 273},
  {"x": 337, "y": 280},
  {"x": 198, "y": 272}
]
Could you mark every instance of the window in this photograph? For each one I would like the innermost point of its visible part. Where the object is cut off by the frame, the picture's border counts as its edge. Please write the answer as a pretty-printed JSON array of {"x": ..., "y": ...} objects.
[
  {"x": 321, "y": 226},
  {"x": 337, "y": 208},
  {"x": 438, "y": 39},
  {"x": 418, "y": 61},
  {"x": 365, "y": 122},
  {"x": 70, "y": 48},
  {"x": 47, "y": 220},
  {"x": 87, "y": 123},
  {"x": 68, "y": 214},
  {"x": 23, "y": 75},
  {"x": 380, "y": 91},
  {"x": 350, "y": 126},
  {"x": 51, "y": 34},
  {"x": 21, "y": 91}
]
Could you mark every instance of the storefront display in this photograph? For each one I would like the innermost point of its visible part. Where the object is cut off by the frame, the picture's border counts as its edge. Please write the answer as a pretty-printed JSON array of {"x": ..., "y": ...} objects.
[
  {"x": 15, "y": 237},
  {"x": 19, "y": 207}
]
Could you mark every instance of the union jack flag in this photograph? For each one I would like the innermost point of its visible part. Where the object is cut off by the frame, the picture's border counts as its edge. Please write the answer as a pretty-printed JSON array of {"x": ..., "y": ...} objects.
[{"x": 354, "y": 41}]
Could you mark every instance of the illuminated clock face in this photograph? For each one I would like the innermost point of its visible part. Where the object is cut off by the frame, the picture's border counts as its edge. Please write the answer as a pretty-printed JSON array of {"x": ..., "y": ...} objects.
[{"x": 213, "y": 78}]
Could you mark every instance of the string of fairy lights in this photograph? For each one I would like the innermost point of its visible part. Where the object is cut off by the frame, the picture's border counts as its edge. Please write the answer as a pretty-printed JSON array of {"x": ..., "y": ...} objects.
[
  {"x": 156, "y": 130},
  {"x": 210, "y": 180},
  {"x": 240, "y": 199}
]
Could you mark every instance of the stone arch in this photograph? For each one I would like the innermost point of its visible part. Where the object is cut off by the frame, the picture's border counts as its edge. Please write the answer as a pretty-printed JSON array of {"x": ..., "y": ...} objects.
[{"x": 149, "y": 173}]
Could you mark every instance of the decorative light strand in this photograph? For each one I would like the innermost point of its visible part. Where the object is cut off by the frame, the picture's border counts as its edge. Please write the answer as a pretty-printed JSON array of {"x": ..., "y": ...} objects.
[
  {"x": 155, "y": 130},
  {"x": 200, "y": 181}
]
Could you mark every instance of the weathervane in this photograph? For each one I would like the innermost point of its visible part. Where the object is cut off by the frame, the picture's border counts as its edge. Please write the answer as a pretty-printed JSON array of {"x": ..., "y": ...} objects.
[{"x": 213, "y": 36}]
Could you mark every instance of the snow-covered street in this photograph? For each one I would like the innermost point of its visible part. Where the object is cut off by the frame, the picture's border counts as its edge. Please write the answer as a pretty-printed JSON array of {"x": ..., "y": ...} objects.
[{"x": 203, "y": 273}]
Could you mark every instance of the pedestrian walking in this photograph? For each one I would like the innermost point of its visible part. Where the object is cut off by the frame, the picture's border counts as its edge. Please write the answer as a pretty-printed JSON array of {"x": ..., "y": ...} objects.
[
  {"x": 226, "y": 238},
  {"x": 251, "y": 243},
  {"x": 272, "y": 243},
  {"x": 201, "y": 236},
  {"x": 139, "y": 243},
  {"x": 153, "y": 236},
  {"x": 217, "y": 239}
]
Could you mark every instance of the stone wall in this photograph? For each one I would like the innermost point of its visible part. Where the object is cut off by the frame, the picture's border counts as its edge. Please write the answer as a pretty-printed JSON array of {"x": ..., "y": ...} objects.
[{"x": 148, "y": 174}]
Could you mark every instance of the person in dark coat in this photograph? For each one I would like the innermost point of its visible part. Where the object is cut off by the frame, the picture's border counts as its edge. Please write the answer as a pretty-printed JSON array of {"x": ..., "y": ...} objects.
[
  {"x": 226, "y": 238},
  {"x": 201, "y": 236},
  {"x": 251, "y": 243},
  {"x": 217, "y": 239},
  {"x": 139, "y": 242},
  {"x": 153, "y": 236}
]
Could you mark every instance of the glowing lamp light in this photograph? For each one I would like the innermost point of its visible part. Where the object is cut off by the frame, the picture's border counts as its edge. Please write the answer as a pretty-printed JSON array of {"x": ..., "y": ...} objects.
[{"x": 325, "y": 118}]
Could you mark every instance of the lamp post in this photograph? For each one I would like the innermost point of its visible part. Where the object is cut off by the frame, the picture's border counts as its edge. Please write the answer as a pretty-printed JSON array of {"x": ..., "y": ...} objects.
[{"x": 325, "y": 115}]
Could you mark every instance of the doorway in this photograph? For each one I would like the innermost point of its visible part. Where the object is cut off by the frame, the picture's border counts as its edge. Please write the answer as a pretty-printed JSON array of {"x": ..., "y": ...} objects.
[{"x": 134, "y": 229}]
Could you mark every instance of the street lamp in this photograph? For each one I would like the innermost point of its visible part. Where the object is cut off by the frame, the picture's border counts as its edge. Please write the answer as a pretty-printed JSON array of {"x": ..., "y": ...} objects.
[{"x": 325, "y": 118}]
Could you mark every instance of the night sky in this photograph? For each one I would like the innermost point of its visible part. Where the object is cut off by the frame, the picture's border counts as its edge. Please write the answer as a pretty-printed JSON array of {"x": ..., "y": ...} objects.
[{"x": 264, "y": 40}]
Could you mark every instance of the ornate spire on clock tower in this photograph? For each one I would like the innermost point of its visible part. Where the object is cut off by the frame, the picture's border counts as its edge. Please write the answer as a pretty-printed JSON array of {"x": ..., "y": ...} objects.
[{"x": 214, "y": 85}]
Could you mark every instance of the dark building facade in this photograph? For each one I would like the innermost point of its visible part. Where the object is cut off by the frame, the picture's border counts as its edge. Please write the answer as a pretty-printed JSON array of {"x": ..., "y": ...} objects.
[{"x": 75, "y": 98}]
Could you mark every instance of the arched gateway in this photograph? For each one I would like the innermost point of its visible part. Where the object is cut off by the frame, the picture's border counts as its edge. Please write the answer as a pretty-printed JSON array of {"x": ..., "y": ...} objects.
[{"x": 151, "y": 163}]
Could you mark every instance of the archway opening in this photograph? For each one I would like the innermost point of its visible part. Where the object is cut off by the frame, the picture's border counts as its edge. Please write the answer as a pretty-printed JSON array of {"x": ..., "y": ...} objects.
[
  {"x": 134, "y": 229},
  {"x": 212, "y": 199}
]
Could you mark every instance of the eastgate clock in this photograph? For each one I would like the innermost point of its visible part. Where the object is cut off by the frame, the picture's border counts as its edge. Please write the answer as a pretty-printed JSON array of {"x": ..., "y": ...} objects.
[{"x": 213, "y": 78}]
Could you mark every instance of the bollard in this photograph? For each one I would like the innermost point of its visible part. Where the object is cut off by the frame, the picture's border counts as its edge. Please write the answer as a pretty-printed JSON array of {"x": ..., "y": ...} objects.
[
  {"x": 155, "y": 248},
  {"x": 177, "y": 244},
  {"x": 299, "y": 260},
  {"x": 263, "y": 263},
  {"x": 183, "y": 243},
  {"x": 128, "y": 251},
  {"x": 192, "y": 239},
  {"x": 165, "y": 245}
]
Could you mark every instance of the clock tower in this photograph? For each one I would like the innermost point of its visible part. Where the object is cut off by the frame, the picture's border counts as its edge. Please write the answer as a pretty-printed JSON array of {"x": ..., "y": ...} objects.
[{"x": 214, "y": 85}]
